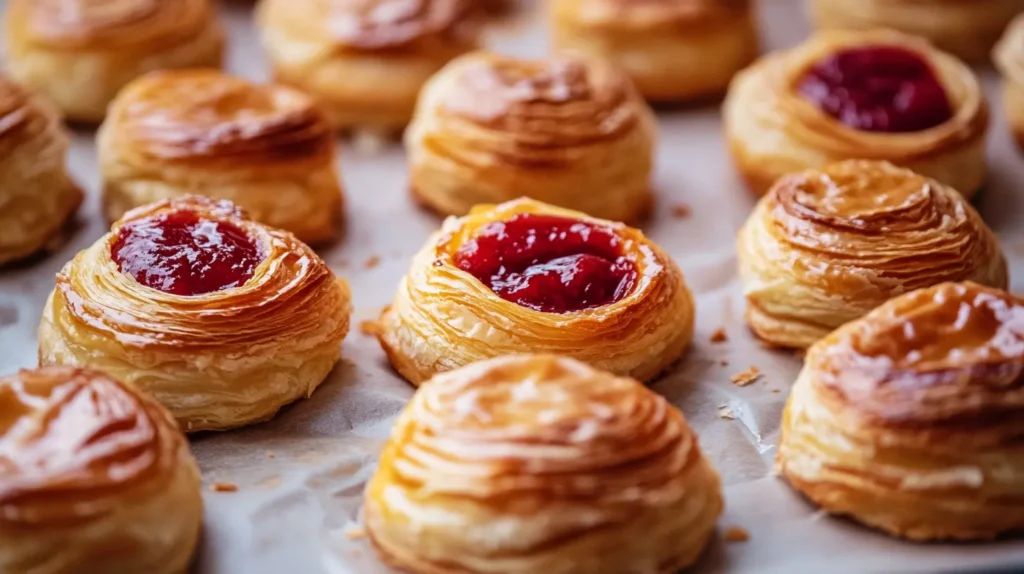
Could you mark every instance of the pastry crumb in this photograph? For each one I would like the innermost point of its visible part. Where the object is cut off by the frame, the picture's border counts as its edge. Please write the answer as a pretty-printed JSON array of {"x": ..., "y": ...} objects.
[
  {"x": 725, "y": 412},
  {"x": 355, "y": 533},
  {"x": 270, "y": 454},
  {"x": 371, "y": 262},
  {"x": 224, "y": 487},
  {"x": 724, "y": 363},
  {"x": 681, "y": 211},
  {"x": 746, "y": 377},
  {"x": 736, "y": 534},
  {"x": 776, "y": 391},
  {"x": 719, "y": 336},
  {"x": 369, "y": 328}
]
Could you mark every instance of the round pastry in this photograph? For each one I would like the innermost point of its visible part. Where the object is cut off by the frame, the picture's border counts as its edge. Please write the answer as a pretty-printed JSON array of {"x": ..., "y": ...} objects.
[
  {"x": 965, "y": 28},
  {"x": 535, "y": 463},
  {"x": 269, "y": 149},
  {"x": 80, "y": 53},
  {"x": 1009, "y": 58},
  {"x": 858, "y": 95},
  {"x": 674, "y": 50},
  {"x": 223, "y": 320},
  {"x": 825, "y": 247},
  {"x": 94, "y": 477},
  {"x": 37, "y": 197},
  {"x": 908, "y": 419},
  {"x": 365, "y": 59},
  {"x": 568, "y": 131},
  {"x": 525, "y": 277}
]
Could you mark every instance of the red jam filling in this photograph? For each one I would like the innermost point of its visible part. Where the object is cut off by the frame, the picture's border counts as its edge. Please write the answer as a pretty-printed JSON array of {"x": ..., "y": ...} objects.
[
  {"x": 183, "y": 254},
  {"x": 878, "y": 89},
  {"x": 547, "y": 263}
]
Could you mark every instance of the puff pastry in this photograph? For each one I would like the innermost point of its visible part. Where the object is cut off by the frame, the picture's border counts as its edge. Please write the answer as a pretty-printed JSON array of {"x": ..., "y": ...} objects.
[
  {"x": 531, "y": 464},
  {"x": 80, "y": 53},
  {"x": 1009, "y": 58},
  {"x": 674, "y": 50},
  {"x": 94, "y": 477},
  {"x": 908, "y": 419},
  {"x": 966, "y": 28},
  {"x": 269, "y": 149},
  {"x": 936, "y": 127},
  {"x": 37, "y": 196},
  {"x": 570, "y": 131},
  {"x": 825, "y": 247},
  {"x": 366, "y": 59},
  {"x": 223, "y": 320},
  {"x": 484, "y": 286}
]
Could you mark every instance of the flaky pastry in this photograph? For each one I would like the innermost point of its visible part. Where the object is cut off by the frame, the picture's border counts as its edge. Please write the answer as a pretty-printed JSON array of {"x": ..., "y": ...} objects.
[
  {"x": 774, "y": 127},
  {"x": 94, "y": 477},
  {"x": 825, "y": 247},
  {"x": 80, "y": 53},
  {"x": 365, "y": 59},
  {"x": 37, "y": 196},
  {"x": 910, "y": 419},
  {"x": 534, "y": 463},
  {"x": 1009, "y": 59},
  {"x": 525, "y": 277},
  {"x": 267, "y": 148},
  {"x": 674, "y": 50},
  {"x": 570, "y": 131},
  {"x": 222, "y": 319}
]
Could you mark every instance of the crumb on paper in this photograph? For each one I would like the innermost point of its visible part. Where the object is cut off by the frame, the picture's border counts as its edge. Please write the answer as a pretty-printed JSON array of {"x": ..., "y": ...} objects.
[
  {"x": 746, "y": 377},
  {"x": 355, "y": 533},
  {"x": 724, "y": 363},
  {"x": 224, "y": 487},
  {"x": 370, "y": 328},
  {"x": 270, "y": 454},
  {"x": 681, "y": 211},
  {"x": 371, "y": 262},
  {"x": 736, "y": 534},
  {"x": 719, "y": 336},
  {"x": 725, "y": 412},
  {"x": 776, "y": 391}
]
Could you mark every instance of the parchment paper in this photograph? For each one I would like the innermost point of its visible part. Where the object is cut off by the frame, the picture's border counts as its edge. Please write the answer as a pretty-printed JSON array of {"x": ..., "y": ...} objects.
[{"x": 300, "y": 476}]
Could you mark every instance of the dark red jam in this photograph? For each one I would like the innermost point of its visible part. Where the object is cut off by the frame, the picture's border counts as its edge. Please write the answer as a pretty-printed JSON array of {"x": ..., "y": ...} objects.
[
  {"x": 183, "y": 254},
  {"x": 547, "y": 263},
  {"x": 878, "y": 89}
]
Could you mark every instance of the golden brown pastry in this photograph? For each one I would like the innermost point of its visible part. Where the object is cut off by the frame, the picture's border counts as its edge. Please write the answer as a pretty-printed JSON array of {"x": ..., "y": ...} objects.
[
  {"x": 825, "y": 247},
  {"x": 222, "y": 319},
  {"x": 365, "y": 59},
  {"x": 535, "y": 463},
  {"x": 909, "y": 419},
  {"x": 269, "y": 149},
  {"x": 80, "y": 53},
  {"x": 858, "y": 95},
  {"x": 94, "y": 477},
  {"x": 1009, "y": 59},
  {"x": 37, "y": 196},
  {"x": 569, "y": 131},
  {"x": 674, "y": 50},
  {"x": 525, "y": 277},
  {"x": 965, "y": 28}
]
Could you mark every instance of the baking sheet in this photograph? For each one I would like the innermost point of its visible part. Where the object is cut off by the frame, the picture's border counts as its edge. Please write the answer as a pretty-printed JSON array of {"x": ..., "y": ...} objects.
[{"x": 300, "y": 476}]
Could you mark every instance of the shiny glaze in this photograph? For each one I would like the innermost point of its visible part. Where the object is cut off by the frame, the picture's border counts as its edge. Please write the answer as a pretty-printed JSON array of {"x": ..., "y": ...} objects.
[
  {"x": 390, "y": 24},
  {"x": 111, "y": 23}
]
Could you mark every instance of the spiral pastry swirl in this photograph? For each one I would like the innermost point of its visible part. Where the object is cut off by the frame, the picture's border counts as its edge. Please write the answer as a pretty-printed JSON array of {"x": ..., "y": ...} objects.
[
  {"x": 825, "y": 247},
  {"x": 772, "y": 130},
  {"x": 490, "y": 129},
  {"x": 1009, "y": 59},
  {"x": 88, "y": 464},
  {"x": 536, "y": 463},
  {"x": 269, "y": 149},
  {"x": 217, "y": 360},
  {"x": 908, "y": 419}
]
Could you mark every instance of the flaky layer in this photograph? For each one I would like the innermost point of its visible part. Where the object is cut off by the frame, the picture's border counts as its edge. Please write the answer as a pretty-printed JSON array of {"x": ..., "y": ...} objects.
[
  {"x": 1009, "y": 59},
  {"x": 540, "y": 464}
]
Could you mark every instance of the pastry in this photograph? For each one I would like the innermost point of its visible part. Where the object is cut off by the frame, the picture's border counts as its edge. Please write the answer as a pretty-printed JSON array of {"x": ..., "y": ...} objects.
[
  {"x": 858, "y": 95},
  {"x": 365, "y": 59},
  {"x": 1009, "y": 58},
  {"x": 535, "y": 463},
  {"x": 825, "y": 247},
  {"x": 269, "y": 149},
  {"x": 908, "y": 419},
  {"x": 80, "y": 53},
  {"x": 965, "y": 28},
  {"x": 94, "y": 477},
  {"x": 525, "y": 277},
  {"x": 37, "y": 196},
  {"x": 569, "y": 131},
  {"x": 675, "y": 50},
  {"x": 222, "y": 319}
]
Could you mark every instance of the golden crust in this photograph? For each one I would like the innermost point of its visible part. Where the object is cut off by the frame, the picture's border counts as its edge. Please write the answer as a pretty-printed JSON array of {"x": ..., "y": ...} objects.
[
  {"x": 267, "y": 148},
  {"x": 825, "y": 247},
  {"x": 531, "y": 464},
  {"x": 37, "y": 196},
  {"x": 673, "y": 50},
  {"x": 965, "y": 28},
  {"x": 443, "y": 318},
  {"x": 1009, "y": 59},
  {"x": 219, "y": 360},
  {"x": 94, "y": 476},
  {"x": 910, "y": 419},
  {"x": 490, "y": 129},
  {"x": 80, "y": 53},
  {"x": 365, "y": 59},
  {"x": 773, "y": 131}
]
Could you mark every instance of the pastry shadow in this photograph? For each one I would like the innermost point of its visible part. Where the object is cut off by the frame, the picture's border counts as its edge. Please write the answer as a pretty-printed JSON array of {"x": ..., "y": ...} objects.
[{"x": 998, "y": 201}]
